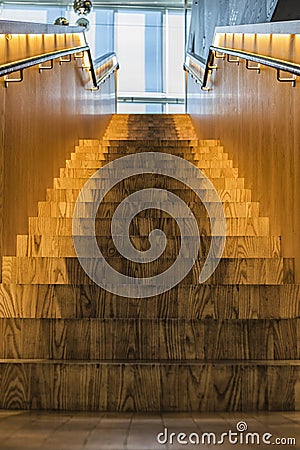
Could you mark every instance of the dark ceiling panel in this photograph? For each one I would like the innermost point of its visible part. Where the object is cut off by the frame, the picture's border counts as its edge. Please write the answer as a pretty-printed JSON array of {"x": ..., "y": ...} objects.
[
  {"x": 287, "y": 10},
  {"x": 207, "y": 14}
]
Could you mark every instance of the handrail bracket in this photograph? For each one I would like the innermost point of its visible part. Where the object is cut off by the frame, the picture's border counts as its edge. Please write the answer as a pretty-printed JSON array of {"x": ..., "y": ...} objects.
[
  {"x": 84, "y": 67},
  {"x": 286, "y": 79},
  {"x": 212, "y": 66},
  {"x": 41, "y": 67},
  {"x": 79, "y": 55},
  {"x": 219, "y": 55},
  {"x": 250, "y": 67},
  {"x": 233, "y": 60},
  {"x": 8, "y": 80},
  {"x": 63, "y": 60}
]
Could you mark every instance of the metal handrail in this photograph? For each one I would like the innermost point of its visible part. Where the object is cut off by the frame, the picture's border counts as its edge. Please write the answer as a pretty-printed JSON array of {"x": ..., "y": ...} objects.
[
  {"x": 16, "y": 66},
  {"x": 220, "y": 52},
  {"x": 20, "y": 65},
  {"x": 205, "y": 65},
  {"x": 101, "y": 61},
  {"x": 196, "y": 60}
]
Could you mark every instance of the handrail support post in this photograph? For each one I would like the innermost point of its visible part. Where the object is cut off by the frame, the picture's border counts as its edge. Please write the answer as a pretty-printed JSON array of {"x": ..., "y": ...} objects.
[{"x": 234, "y": 61}]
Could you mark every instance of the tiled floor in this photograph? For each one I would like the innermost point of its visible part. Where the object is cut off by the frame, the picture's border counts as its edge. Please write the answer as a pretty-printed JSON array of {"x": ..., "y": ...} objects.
[{"x": 91, "y": 431}]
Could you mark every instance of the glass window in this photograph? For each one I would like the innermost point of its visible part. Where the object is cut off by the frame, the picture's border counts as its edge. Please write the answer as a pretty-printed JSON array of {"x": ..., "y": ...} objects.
[{"x": 149, "y": 45}]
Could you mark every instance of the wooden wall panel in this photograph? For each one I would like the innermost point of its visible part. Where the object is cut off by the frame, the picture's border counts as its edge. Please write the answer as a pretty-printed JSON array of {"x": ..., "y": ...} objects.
[
  {"x": 258, "y": 121},
  {"x": 42, "y": 120},
  {"x": 19, "y": 46}
]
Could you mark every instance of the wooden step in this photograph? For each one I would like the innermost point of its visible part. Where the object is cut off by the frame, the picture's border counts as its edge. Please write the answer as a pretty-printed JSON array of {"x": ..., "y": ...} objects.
[
  {"x": 37, "y": 270},
  {"x": 124, "y": 131},
  {"x": 181, "y": 171},
  {"x": 221, "y": 178},
  {"x": 186, "y": 151},
  {"x": 110, "y": 151},
  {"x": 130, "y": 185},
  {"x": 217, "y": 302},
  {"x": 154, "y": 142},
  {"x": 202, "y": 164},
  {"x": 198, "y": 154},
  {"x": 235, "y": 247},
  {"x": 91, "y": 167},
  {"x": 230, "y": 344},
  {"x": 213, "y": 144},
  {"x": 165, "y": 161},
  {"x": 100, "y": 182},
  {"x": 71, "y": 195},
  {"x": 60, "y": 226},
  {"x": 166, "y": 126},
  {"x": 236, "y": 386},
  {"x": 107, "y": 209},
  {"x": 150, "y": 339}
]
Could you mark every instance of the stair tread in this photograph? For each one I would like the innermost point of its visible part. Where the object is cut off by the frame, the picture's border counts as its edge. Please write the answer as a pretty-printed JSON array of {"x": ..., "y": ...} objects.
[
  {"x": 231, "y": 343},
  {"x": 276, "y": 363}
]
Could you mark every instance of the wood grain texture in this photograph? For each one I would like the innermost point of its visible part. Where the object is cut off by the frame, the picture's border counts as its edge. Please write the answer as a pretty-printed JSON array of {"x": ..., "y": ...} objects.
[
  {"x": 149, "y": 387},
  {"x": 66, "y": 210},
  {"x": 259, "y": 128},
  {"x": 41, "y": 120},
  {"x": 240, "y": 226},
  {"x": 228, "y": 345},
  {"x": 34, "y": 270},
  {"x": 226, "y": 195},
  {"x": 190, "y": 302},
  {"x": 235, "y": 246}
]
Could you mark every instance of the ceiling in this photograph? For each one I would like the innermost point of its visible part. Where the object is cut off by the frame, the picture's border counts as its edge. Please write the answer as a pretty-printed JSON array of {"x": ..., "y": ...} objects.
[{"x": 157, "y": 4}]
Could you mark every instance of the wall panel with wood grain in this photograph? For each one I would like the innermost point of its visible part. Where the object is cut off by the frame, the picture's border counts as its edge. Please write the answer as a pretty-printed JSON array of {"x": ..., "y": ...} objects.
[
  {"x": 42, "y": 120},
  {"x": 257, "y": 119}
]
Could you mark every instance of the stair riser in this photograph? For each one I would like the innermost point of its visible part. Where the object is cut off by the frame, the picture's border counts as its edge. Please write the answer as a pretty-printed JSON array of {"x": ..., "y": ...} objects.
[
  {"x": 160, "y": 142},
  {"x": 92, "y": 166},
  {"x": 155, "y": 340},
  {"x": 149, "y": 387},
  {"x": 51, "y": 226},
  {"x": 62, "y": 246},
  {"x": 193, "y": 153},
  {"x": 225, "y": 195},
  {"x": 47, "y": 209},
  {"x": 69, "y": 271},
  {"x": 200, "y": 162},
  {"x": 230, "y": 183},
  {"x": 231, "y": 344},
  {"x": 186, "y": 302},
  {"x": 108, "y": 153},
  {"x": 99, "y": 182}
]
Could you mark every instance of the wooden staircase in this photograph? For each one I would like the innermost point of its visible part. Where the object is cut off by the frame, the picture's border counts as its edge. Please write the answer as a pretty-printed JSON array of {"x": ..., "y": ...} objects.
[{"x": 230, "y": 344}]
